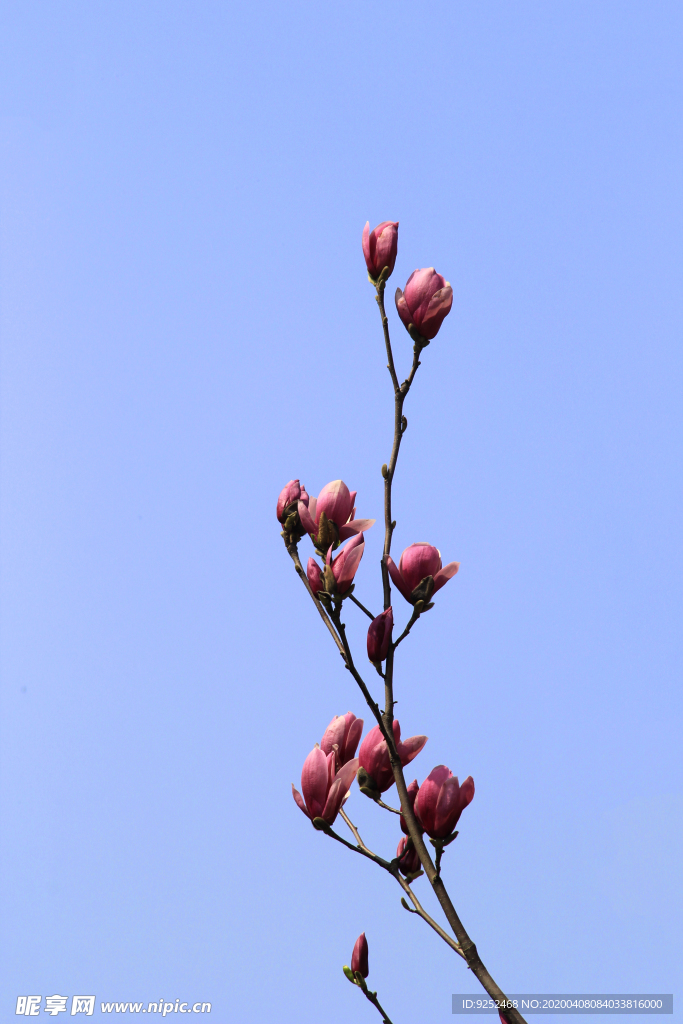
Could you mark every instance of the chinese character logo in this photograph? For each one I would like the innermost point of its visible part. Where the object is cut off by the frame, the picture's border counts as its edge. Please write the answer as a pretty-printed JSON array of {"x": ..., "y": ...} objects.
[
  {"x": 83, "y": 1004},
  {"x": 55, "y": 1004}
]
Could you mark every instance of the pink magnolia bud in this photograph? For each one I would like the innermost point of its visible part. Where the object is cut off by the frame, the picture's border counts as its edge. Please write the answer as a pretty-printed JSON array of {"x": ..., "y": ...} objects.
[
  {"x": 359, "y": 957},
  {"x": 290, "y": 493},
  {"x": 417, "y": 563},
  {"x": 336, "y": 503},
  {"x": 380, "y": 247},
  {"x": 373, "y": 756},
  {"x": 314, "y": 575},
  {"x": 412, "y": 793},
  {"x": 324, "y": 788},
  {"x": 425, "y": 303},
  {"x": 379, "y": 636},
  {"x": 441, "y": 800},
  {"x": 408, "y": 860},
  {"x": 342, "y": 736},
  {"x": 345, "y": 565}
]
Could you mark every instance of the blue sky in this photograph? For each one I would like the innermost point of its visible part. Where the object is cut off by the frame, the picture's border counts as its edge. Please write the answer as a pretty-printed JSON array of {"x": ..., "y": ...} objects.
[{"x": 186, "y": 325}]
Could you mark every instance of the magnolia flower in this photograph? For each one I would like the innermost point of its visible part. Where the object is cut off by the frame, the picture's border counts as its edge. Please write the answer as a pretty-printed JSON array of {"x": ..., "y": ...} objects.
[
  {"x": 329, "y": 517},
  {"x": 291, "y": 495},
  {"x": 441, "y": 800},
  {"x": 380, "y": 247},
  {"x": 379, "y": 636},
  {"x": 359, "y": 957},
  {"x": 324, "y": 789},
  {"x": 418, "y": 568},
  {"x": 425, "y": 303},
  {"x": 375, "y": 774},
  {"x": 342, "y": 736}
]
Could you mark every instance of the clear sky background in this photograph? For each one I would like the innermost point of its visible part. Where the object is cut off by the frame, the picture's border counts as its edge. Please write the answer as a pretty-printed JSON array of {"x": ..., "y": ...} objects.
[{"x": 186, "y": 325}]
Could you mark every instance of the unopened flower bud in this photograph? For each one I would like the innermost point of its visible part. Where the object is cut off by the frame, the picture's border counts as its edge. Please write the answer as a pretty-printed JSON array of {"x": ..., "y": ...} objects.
[
  {"x": 412, "y": 793},
  {"x": 379, "y": 636},
  {"x": 419, "y": 574},
  {"x": 359, "y": 957},
  {"x": 441, "y": 800},
  {"x": 329, "y": 518},
  {"x": 373, "y": 757},
  {"x": 380, "y": 248},
  {"x": 291, "y": 496},
  {"x": 424, "y": 304},
  {"x": 314, "y": 575},
  {"x": 408, "y": 860}
]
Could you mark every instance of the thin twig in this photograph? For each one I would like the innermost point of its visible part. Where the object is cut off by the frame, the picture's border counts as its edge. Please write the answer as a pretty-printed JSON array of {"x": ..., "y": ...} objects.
[
  {"x": 372, "y": 997},
  {"x": 413, "y": 619},
  {"x": 293, "y": 552},
  {"x": 362, "y": 607},
  {"x": 421, "y": 912},
  {"x": 356, "y": 833},
  {"x": 363, "y": 850},
  {"x": 394, "y": 810}
]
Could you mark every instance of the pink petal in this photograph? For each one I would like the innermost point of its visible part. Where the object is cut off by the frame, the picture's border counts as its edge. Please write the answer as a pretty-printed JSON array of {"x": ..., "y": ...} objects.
[
  {"x": 314, "y": 575},
  {"x": 289, "y": 493},
  {"x": 335, "y": 798},
  {"x": 346, "y": 563},
  {"x": 410, "y": 748},
  {"x": 402, "y": 308},
  {"x": 335, "y": 501},
  {"x": 315, "y": 781},
  {"x": 447, "y": 806},
  {"x": 347, "y": 773},
  {"x": 353, "y": 738},
  {"x": 444, "y": 575},
  {"x": 435, "y": 312},
  {"x": 334, "y": 734},
  {"x": 467, "y": 791},
  {"x": 397, "y": 578},
  {"x": 387, "y": 244},
  {"x": 331, "y": 767},
  {"x": 354, "y": 527},
  {"x": 297, "y": 796},
  {"x": 339, "y": 790},
  {"x": 306, "y": 517},
  {"x": 372, "y": 750},
  {"x": 428, "y": 796},
  {"x": 420, "y": 288},
  {"x": 366, "y": 247}
]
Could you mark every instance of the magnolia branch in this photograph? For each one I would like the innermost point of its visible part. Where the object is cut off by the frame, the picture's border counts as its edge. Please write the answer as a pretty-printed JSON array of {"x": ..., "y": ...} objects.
[
  {"x": 466, "y": 947},
  {"x": 329, "y": 518}
]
